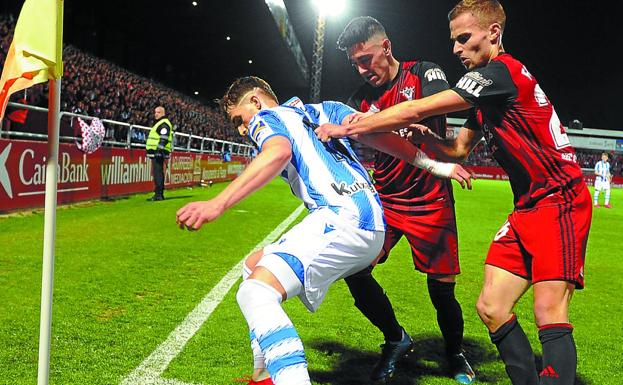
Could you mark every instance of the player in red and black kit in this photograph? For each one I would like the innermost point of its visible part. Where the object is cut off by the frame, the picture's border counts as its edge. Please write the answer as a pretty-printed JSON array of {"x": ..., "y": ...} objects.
[
  {"x": 543, "y": 242},
  {"x": 416, "y": 204}
]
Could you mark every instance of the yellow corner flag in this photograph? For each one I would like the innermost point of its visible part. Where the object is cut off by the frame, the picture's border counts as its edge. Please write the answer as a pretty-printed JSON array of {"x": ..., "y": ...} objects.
[{"x": 36, "y": 52}]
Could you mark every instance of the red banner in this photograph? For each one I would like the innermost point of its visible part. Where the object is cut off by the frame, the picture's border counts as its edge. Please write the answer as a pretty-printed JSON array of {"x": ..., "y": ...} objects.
[{"x": 106, "y": 173}]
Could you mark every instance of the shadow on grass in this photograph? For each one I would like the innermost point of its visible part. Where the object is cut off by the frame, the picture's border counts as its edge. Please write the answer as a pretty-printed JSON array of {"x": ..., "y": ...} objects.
[
  {"x": 352, "y": 366},
  {"x": 169, "y": 198}
]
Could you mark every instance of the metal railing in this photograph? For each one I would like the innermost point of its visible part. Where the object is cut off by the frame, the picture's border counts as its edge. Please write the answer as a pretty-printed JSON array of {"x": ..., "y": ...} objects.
[{"x": 126, "y": 135}]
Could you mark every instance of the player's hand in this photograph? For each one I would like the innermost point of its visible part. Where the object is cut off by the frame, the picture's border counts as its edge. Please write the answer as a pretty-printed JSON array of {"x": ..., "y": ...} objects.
[
  {"x": 327, "y": 131},
  {"x": 192, "y": 216},
  {"x": 462, "y": 176},
  {"x": 357, "y": 116}
]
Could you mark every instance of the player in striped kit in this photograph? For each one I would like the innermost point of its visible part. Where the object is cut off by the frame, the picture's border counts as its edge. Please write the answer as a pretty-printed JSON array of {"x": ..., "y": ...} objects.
[
  {"x": 342, "y": 234},
  {"x": 543, "y": 242},
  {"x": 602, "y": 180}
]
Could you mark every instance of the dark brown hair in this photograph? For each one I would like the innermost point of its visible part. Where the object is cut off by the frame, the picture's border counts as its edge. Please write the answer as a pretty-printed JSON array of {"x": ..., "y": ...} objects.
[{"x": 240, "y": 87}]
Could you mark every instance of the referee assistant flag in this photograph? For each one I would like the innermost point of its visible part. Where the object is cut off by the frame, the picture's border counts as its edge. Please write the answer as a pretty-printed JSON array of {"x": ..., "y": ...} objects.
[{"x": 35, "y": 54}]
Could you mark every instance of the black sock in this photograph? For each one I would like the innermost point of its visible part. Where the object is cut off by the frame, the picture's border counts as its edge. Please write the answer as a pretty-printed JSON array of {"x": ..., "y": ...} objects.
[
  {"x": 559, "y": 354},
  {"x": 449, "y": 314},
  {"x": 371, "y": 300},
  {"x": 516, "y": 353}
]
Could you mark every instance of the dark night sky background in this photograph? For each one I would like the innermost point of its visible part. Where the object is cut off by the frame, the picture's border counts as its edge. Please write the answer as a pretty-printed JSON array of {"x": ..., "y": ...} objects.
[{"x": 570, "y": 46}]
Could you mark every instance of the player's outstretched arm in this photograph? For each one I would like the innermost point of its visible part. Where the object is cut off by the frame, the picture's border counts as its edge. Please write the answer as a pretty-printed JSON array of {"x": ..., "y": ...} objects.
[
  {"x": 449, "y": 150},
  {"x": 398, "y": 116},
  {"x": 398, "y": 147},
  {"x": 269, "y": 163}
]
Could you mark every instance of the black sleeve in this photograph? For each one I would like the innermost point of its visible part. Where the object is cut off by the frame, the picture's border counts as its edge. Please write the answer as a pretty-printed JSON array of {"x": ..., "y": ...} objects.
[
  {"x": 432, "y": 78},
  {"x": 491, "y": 85}
]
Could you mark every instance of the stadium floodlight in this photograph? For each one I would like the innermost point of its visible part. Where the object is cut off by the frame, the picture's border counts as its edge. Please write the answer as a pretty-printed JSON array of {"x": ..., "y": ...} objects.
[
  {"x": 330, "y": 7},
  {"x": 325, "y": 7}
]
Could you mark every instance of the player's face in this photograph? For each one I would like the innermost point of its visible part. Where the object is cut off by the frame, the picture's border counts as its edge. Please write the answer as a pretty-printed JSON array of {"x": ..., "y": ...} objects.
[
  {"x": 371, "y": 60},
  {"x": 472, "y": 43},
  {"x": 242, "y": 113},
  {"x": 604, "y": 158}
]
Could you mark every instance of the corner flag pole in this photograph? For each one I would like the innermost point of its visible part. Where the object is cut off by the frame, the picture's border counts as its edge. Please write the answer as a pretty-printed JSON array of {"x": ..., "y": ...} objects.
[
  {"x": 49, "y": 235},
  {"x": 51, "y": 180}
]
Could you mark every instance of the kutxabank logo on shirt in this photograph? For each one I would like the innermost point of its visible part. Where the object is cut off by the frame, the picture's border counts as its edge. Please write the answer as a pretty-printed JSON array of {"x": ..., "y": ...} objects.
[{"x": 347, "y": 189}]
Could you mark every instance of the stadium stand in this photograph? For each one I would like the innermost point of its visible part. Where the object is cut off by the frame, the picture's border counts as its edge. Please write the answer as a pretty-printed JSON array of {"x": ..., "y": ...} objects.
[{"x": 98, "y": 88}]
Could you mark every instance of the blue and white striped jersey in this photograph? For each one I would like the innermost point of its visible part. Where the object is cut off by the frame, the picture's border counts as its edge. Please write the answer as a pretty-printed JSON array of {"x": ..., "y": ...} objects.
[
  {"x": 602, "y": 169},
  {"x": 322, "y": 175}
]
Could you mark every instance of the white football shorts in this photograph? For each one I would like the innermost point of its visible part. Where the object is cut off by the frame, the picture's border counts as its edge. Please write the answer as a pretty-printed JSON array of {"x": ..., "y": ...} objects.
[
  {"x": 319, "y": 250},
  {"x": 602, "y": 185}
]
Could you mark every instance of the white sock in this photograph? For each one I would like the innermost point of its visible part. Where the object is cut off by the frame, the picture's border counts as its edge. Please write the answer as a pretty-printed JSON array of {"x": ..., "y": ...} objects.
[
  {"x": 607, "y": 196},
  {"x": 596, "y": 197},
  {"x": 281, "y": 346}
]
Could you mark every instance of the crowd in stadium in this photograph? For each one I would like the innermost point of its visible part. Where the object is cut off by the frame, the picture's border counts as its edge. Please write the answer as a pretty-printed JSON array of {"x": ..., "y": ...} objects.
[{"x": 98, "y": 88}]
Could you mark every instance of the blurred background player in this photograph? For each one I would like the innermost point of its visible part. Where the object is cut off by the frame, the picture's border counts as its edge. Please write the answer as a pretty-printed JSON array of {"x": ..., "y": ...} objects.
[
  {"x": 602, "y": 180},
  {"x": 158, "y": 148},
  {"x": 342, "y": 234},
  {"x": 416, "y": 204},
  {"x": 543, "y": 242}
]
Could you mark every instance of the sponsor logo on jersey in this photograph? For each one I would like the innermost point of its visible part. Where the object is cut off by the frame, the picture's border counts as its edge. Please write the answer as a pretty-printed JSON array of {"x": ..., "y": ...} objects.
[
  {"x": 408, "y": 92},
  {"x": 347, "y": 189},
  {"x": 434, "y": 74},
  {"x": 473, "y": 83}
]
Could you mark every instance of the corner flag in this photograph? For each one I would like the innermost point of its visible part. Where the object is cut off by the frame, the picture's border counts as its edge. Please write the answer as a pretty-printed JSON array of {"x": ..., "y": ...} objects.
[{"x": 35, "y": 54}]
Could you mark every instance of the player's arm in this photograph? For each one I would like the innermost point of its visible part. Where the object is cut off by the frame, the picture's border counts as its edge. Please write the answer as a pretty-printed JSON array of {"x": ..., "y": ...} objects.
[
  {"x": 398, "y": 116},
  {"x": 275, "y": 155},
  {"x": 449, "y": 150},
  {"x": 398, "y": 147}
]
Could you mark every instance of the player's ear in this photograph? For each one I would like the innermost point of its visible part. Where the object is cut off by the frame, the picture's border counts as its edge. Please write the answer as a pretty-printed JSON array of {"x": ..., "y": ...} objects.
[
  {"x": 387, "y": 46},
  {"x": 495, "y": 34},
  {"x": 257, "y": 102}
]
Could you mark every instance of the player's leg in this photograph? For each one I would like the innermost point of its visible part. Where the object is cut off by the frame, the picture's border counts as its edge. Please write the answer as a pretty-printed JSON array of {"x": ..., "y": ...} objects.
[
  {"x": 432, "y": 235},
  {"x": 501, "y": 290},
  {"x": 556, "y": 237},
  {"x": 259, "y": 298},
  {"x": 551, "y": 306},
  {"x": 507, "y": 277},
  {"x": 450, "y": 321},
  {"x": 373, "y": 303},
  {"x": 607, "y": 196},
  {"x": 596, "y": 194}
]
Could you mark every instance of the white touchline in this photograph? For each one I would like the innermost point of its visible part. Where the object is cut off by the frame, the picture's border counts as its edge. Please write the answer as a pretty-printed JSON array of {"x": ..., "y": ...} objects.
[{"x": 149, "y": 371}]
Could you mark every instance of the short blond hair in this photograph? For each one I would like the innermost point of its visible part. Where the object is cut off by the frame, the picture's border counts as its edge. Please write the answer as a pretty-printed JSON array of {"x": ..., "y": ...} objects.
[{"x": 486, "y": 12}]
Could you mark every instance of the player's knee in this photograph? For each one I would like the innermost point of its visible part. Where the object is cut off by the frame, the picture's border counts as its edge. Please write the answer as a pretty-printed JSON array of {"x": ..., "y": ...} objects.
[
  {"x": 548, "y": 312},
  {"x": 254, "y": 293},
  {"x": 491, "y": 313}
]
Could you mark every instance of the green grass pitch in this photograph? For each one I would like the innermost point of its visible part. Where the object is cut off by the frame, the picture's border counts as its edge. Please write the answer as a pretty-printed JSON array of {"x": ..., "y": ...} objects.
[{"x": 126, "y": 277}]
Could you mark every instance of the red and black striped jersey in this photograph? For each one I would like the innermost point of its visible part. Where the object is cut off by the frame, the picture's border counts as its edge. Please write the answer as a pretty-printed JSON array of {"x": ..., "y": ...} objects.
[
  {"x": 521, "y": 129},
  {"x": 400, "y": 185}
]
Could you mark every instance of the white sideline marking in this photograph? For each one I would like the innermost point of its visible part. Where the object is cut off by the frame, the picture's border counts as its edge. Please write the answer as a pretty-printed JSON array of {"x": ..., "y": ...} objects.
[{"x": 150, "y": 370}]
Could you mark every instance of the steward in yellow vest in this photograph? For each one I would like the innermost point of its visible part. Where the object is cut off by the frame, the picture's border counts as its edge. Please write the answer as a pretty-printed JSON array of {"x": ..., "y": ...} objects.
[{"x": 158, "y": 146}]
